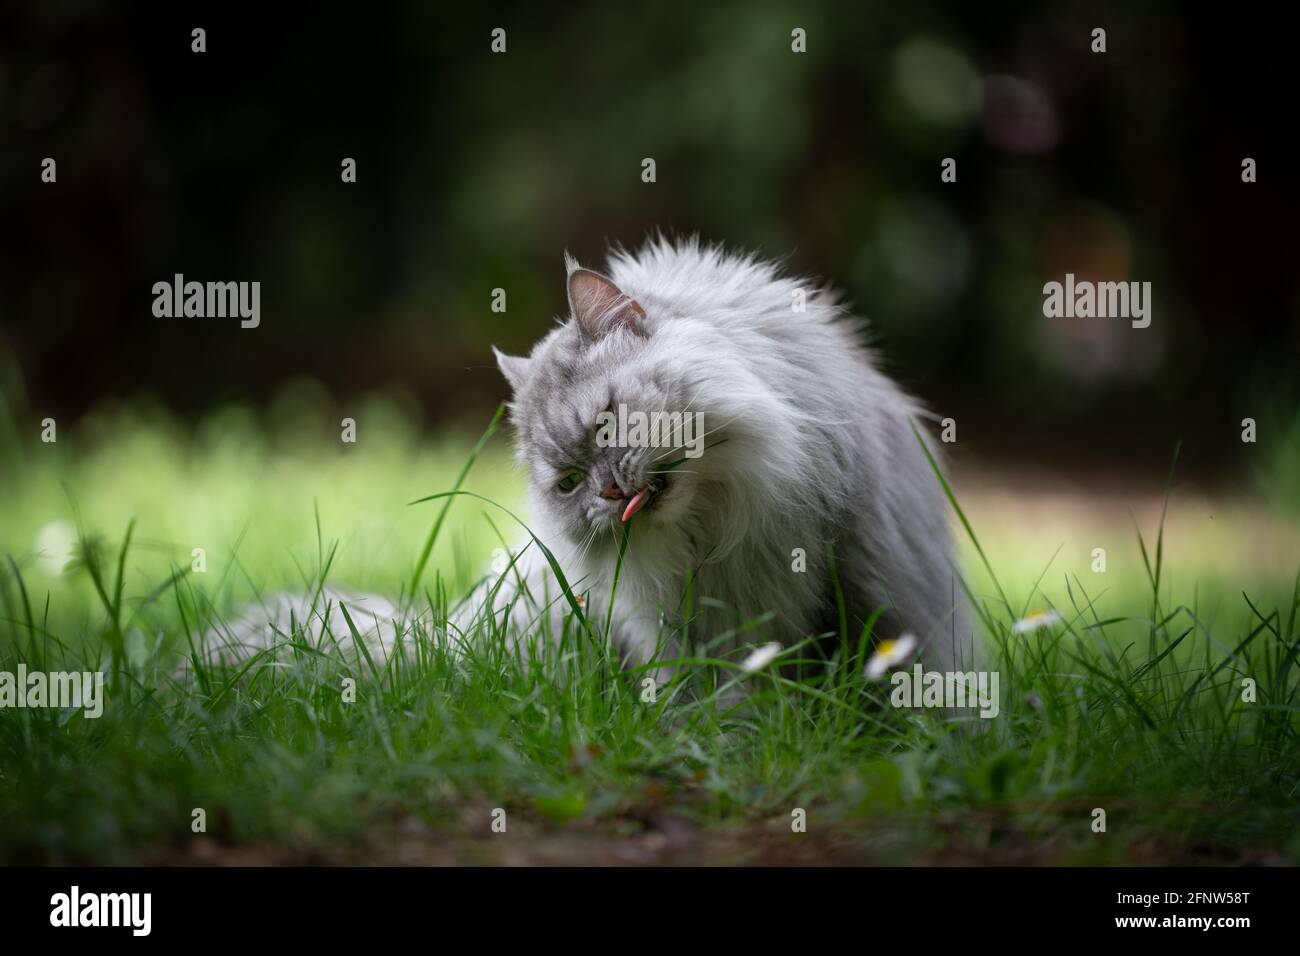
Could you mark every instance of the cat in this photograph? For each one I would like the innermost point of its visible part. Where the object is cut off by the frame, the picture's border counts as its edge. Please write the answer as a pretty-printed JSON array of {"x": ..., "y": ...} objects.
[
  {"x": 810, "y": 457},
  {"x": 806, "y": 472}
]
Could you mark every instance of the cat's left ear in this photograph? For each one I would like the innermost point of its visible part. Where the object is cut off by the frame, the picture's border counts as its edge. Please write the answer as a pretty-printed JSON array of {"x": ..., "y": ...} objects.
[
  {"x": 514, "y": 367},
  {"x": 600, "y": 307}
]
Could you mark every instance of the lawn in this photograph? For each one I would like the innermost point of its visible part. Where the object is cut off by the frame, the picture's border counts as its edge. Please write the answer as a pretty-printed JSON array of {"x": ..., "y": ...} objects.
[{"x": 1167, "y": 695}]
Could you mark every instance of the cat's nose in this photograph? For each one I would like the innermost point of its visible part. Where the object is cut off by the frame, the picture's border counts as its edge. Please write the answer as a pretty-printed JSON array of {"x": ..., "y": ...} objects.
[{"x": 613, "y": 492}]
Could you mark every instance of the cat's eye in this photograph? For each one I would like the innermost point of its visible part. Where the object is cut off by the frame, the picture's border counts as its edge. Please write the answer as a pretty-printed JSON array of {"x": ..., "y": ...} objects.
[{"x": 571, "y": 480}]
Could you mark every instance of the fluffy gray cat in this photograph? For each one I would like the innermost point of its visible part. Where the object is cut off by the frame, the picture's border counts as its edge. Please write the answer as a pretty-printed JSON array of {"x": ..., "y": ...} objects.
[
  {"x": 808, "y": 453},
  {"x": 805, "y": 452}
]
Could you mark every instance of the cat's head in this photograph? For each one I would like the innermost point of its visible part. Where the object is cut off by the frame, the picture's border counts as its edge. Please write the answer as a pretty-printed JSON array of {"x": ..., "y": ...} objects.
[{"x": 612, "y": 414}]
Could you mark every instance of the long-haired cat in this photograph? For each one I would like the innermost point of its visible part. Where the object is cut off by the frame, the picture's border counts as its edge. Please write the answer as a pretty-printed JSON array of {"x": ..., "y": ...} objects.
[
  {"x": 809, "y": 456},
  {"x": 803, "y": 482}
]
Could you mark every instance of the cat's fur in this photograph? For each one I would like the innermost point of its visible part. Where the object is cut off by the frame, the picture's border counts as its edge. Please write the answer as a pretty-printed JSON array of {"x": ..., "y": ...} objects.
[{"x": 810, "y": 451}]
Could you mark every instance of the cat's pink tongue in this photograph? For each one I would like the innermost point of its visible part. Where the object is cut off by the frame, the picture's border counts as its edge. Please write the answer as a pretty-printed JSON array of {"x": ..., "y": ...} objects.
[{"x": 636, "y": 504}]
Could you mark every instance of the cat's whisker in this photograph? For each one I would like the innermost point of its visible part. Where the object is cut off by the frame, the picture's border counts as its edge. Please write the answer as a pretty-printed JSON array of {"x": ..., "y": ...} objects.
[
  {"x": 588, "y": 542},
  {"x": 579, "y": 551},
  {"x": 700, "y": 438},
  {"x": 710, "y": 431},
  {"x": 687, "y": 407}
]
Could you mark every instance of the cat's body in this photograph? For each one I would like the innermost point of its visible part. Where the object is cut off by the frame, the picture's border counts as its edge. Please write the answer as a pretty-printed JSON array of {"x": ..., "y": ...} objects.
[{"x": 809, "y": 455}]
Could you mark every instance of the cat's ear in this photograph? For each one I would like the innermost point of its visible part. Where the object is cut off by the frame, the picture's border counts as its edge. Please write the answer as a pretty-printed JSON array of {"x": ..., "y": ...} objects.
[
  {"x": 599, "y": 306},
  {"x": 515, "y": 368}
]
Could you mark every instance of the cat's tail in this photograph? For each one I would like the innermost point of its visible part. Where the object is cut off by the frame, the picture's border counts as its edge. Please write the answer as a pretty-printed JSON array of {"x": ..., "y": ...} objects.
[{"x": 324, "y": 621}]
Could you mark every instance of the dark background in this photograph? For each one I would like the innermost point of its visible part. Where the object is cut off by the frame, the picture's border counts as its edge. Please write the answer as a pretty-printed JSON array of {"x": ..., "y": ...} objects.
[{"x": 476, "y": 171}]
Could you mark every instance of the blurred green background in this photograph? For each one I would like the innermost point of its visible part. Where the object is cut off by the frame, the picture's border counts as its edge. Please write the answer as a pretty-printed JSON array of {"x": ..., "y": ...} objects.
[{"x": 476, "y": 170}]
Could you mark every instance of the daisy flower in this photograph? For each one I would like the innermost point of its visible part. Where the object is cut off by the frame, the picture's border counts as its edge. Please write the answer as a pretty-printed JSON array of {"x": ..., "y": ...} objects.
[
  {"x": 1036, "y": 621},
  {"x": 760, "y": 657},
  {"x": 889, "y": 654}
]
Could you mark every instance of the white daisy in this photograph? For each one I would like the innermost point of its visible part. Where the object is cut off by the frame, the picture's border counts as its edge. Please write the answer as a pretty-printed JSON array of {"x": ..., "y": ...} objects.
[
  {"x": 1036, "y": 621},
  {"x": 889, "y": 654},
  {"x": 760, "y": 657}
]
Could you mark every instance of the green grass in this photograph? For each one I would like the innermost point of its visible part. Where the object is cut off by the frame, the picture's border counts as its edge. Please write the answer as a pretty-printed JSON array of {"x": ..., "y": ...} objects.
[{"x": 1132, "y": 704}]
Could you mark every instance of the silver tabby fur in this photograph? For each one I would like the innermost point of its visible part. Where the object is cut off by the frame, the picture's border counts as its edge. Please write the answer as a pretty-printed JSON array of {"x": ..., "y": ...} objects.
[{"x": 809, "y": 446}]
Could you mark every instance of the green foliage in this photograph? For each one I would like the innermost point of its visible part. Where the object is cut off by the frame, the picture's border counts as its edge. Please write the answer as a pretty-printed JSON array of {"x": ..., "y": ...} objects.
[{"x": 1132, "y": 702}]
